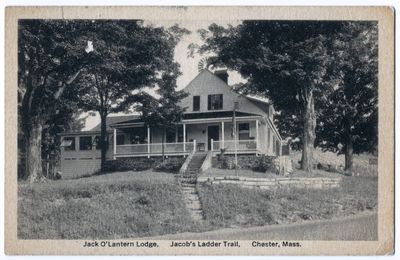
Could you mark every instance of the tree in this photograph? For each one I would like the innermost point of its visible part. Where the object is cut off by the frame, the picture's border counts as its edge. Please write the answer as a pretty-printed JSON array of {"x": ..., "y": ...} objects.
[
  {"x": 286, "y": 61},
  {"x": 349, "y": 118},
  {"x": 127, "y": 56},
  {"x": 165, "y": 112},
  {"x": 50, "y": 57}
]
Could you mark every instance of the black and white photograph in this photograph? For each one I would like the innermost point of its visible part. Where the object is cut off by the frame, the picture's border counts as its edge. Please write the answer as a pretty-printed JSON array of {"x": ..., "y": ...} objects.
[{"x": 199, "y": 133}]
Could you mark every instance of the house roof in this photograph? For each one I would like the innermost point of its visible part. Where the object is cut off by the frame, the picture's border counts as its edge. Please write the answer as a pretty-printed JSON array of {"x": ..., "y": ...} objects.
[
  {"x": 218, "y": 114},
  {"x": 111, "y": 120},
  {"x": 189, "y": 116}
]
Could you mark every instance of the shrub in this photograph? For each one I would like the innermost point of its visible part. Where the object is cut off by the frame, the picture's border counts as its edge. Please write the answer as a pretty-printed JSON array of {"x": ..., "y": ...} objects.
[
  {"x": 129, "y": 164},
  {"x": 249, "y": 162},
  {"x": 169, "y": 165},
  {"x": 228, "y": 162},
  {"x": 263, "y": 163}
]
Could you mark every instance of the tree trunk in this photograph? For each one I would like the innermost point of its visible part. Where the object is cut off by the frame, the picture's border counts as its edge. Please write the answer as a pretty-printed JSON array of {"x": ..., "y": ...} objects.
[
  {"x": 349, "y": 147},
  {"x": 103, "y": 140},
  {"x": 308, "y": 134},
  {"x": 34, "y": 152}
]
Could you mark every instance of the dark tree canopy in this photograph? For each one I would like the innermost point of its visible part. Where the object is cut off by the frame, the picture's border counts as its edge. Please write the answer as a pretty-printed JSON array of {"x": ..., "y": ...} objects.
[
  {"x": 295, "y": 63},
  {"x": 349, "y": 118},
  {"x": 286, "y": 61},
  {"x": 51, "y": 55},
  {"x": 127, "y": 56},
  {"x": 165, "y": 112}
]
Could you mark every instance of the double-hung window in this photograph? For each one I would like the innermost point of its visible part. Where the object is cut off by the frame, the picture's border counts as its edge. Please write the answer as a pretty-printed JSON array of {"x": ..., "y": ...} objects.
[
  {"x": 244, "y": 131},
  {"x": 215, "y": 102},
  {"x": 196, "y": 103}
]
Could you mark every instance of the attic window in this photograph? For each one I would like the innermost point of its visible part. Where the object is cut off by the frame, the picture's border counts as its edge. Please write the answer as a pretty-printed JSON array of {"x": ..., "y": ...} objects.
[
  {"x": 215, "y": 102},
  {"x": 196, "y": 103}
]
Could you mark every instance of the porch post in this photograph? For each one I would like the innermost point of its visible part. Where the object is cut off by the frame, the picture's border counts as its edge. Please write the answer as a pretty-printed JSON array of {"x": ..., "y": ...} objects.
[
  {"x": 223, "y": 135},
  {"x": 212, "y": 144},
  {"x": 184, "y": 137},
  {"x": 115, "y": 143},
  {"x": 148, "y": 141},
  {"x": 256, "y": 135}
]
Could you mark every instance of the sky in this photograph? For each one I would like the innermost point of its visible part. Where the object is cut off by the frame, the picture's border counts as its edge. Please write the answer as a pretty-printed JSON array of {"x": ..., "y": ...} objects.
[{"x": 188, "y": 65}]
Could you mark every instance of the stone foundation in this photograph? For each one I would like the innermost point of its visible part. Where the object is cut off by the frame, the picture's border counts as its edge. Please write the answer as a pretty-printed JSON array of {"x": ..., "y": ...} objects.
[{"x": 273, "y": 183}]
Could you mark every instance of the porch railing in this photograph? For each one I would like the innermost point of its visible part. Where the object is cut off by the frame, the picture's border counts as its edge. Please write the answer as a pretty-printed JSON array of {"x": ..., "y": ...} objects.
[
  {"x": 229, "y": 146},
  {"x": 155, "y": 148}
]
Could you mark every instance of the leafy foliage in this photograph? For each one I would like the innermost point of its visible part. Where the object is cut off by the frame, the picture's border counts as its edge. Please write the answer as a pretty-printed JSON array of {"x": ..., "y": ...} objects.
[
  {"x": 286, "y": 61},
  {"x": 321, "y": 77},
  {"x": 351, "y": 113},
  {"x": 50, "y": 57},
  {"x": 127, "y": 56},
  {"x": 171, "y": 165},
  {"x": 164, "y": 112},
  {"x": 128, "y": 164}
]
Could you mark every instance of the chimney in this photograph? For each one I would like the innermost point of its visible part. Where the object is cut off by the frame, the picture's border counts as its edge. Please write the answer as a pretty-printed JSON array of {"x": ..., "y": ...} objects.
[{"x": 222, "y": 74}]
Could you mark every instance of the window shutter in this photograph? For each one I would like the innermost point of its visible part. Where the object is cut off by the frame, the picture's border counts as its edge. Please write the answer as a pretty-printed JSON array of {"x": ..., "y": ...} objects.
[{"x": 209, "y": 102}]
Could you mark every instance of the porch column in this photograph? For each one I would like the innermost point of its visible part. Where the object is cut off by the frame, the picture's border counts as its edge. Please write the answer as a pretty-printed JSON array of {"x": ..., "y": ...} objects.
[
  {"x": 115, "y": 143},
  {"x": 257, "y": 134},
  {"x": 223, "y": 135},
  {"x": 184, "y": 137},
  {"x": 148, "y": 141}
]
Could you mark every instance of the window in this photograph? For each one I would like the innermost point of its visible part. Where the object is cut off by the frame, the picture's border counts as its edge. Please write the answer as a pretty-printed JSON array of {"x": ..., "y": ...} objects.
[
  {"x": 196, "y": 103},
  {"x": 215, "y": 102},
  {"x": 68, "y": 143},
  {"x": 120, "y": 139},
  {"x": 180, "y": 133},
  {"x": 85, "y": 143},
  {"x": 170, "y": 136},
  {"x": 244, "y": 131},
  {"x": 138, "y": 135},
  {"x": 96, "y": 142}
]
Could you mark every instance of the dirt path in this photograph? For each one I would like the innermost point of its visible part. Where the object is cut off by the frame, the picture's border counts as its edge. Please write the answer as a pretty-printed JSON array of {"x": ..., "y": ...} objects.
[{"x": 358, "y": 227}]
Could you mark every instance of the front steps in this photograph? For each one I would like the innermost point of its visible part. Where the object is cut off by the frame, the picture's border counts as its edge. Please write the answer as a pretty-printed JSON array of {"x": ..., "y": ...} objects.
[{"x": 188, "y": 180}]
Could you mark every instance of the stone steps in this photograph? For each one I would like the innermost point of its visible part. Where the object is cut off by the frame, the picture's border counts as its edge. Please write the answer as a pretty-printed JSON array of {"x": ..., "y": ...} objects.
[{"x": 188, "y": 182}]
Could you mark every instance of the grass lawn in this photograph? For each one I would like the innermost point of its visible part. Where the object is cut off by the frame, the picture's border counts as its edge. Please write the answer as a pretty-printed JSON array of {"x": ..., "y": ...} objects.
[
  {"x": 147, "y": 203},
  {"x": 361, "y": 162},
  {"x": 232, "y": 206},
  {"x": 118, "y": 205}
]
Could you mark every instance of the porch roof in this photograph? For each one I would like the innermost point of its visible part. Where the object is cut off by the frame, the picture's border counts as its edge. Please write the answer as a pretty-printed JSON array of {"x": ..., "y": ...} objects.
[
  {"x": 189, "y": 116},
  {"x": 215, "y": 115}
]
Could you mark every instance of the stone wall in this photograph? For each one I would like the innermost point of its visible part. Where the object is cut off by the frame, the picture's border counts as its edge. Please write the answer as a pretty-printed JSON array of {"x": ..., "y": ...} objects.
[{"x": 273, "y": 183}]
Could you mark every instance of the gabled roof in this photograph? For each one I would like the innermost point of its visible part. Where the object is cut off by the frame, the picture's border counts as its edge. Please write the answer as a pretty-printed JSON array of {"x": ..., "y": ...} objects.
[
  {"x": 206, "y": 77},
  {"x": 111, "y": 120}
]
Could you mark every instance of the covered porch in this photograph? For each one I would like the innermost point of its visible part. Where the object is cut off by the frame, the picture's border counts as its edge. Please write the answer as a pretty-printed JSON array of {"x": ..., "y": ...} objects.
[{"x": 194, "y": 132}]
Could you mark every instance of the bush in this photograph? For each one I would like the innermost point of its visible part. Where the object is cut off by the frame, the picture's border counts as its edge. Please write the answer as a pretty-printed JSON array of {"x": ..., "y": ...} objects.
[
  {"x": 129, "y": 164},
  {"x": 249, "y": 162},
  {"x": 169, "y": 165},
  {"x": 228, "y": 162},
  {"x": 263, "y": 163}
]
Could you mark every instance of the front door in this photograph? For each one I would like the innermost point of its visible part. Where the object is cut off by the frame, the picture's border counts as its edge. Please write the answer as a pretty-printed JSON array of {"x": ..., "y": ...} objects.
[{"x": 213, "y": 133}]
